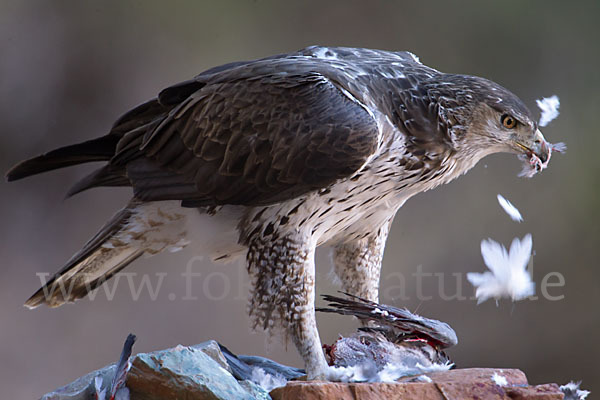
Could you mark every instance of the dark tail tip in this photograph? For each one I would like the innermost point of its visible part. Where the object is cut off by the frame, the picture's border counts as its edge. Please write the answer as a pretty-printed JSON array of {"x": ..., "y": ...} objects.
[
  {"x": 100, "y": 149},
  {"x": 22, "y": 170}
]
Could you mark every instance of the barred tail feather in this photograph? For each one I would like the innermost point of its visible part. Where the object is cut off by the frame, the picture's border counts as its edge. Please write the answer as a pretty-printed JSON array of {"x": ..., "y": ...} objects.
[
  {"x": 140, "y": 228},
  {"x": 94, "y": 264}
]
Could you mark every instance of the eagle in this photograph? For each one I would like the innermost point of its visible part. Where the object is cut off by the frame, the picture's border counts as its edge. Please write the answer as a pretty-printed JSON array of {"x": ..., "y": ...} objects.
[{"x": 271, "y": 158}]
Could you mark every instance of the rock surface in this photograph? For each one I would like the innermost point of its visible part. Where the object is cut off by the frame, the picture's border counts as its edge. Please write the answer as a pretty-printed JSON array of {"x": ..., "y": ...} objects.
[
  {"x": 82, "y": 388},
  {"x": 209, "y": 371},
  {"x": 183, "y": 372},
  {"x": 458, "y": 384}
]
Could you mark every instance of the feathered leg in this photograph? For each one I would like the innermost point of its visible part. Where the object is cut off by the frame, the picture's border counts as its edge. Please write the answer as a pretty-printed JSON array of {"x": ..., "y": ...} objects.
[
  {"x": 282, "y": 274},
  {"x": 358, "y": 263}
]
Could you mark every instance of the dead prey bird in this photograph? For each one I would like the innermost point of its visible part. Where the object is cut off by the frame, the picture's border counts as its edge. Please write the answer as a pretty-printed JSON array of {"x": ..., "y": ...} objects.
[
  {"x": 271, "y": 158},
  {"x": 394, "y": 341}
]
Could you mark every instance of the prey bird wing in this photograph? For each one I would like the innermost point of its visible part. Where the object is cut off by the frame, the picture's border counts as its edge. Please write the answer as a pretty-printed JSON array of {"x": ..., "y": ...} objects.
[{"x": 400, "y": 320}]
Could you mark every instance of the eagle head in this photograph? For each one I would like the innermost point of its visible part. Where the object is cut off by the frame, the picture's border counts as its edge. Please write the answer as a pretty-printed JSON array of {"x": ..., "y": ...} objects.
[{"x": 498, "y": 121}]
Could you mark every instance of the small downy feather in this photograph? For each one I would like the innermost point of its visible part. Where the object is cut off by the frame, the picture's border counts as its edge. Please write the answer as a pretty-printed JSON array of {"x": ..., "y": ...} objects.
[
  {"x": 499, "y": 380},
  {"x": 510, "y": 209},
  {"x": 266, "y": 380},
  {"x": 508, "y": 276},
  {"x": 572, "y": 391},
  {"x": 100, "y": 393},
  {"x": 549, "y": 107}
]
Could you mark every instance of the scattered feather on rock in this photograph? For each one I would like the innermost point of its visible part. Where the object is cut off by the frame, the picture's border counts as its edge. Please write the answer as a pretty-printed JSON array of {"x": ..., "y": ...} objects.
[
  {"x": 118, "y": 389},
  {"x": 391, "y": 372},
  {"x": 572, "y": 392},
  {"x": 266, "y": 380},
  {"x": 510, "y": 209},
  {"x": 499, "y": 379},
  {"x": 508, "y": 276},
  {"x": 100, "y": 393}
]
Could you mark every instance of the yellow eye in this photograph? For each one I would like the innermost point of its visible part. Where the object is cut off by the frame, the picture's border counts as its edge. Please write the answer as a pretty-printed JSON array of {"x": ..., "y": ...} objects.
[{"x": 508, "y": 121}]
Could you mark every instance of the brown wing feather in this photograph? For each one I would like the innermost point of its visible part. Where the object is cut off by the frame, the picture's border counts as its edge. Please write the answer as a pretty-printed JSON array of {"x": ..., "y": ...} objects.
[
  {"x": 253, "y": 140},
  {"x": 263, "y": 131}
]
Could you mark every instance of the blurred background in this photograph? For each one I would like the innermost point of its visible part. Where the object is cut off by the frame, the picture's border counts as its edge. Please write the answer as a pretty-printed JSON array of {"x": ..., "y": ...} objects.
[{"x": 69, "y": 69}]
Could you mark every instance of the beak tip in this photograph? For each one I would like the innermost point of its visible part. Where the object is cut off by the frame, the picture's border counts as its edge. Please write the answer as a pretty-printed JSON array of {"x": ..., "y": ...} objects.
[{"x": 543, "y": 151}]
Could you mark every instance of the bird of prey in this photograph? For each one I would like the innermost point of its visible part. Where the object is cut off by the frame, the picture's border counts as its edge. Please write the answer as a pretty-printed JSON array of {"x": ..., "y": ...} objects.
[
  {"x": 271, "y": 158},
  {"x": 397, "y": 339}
]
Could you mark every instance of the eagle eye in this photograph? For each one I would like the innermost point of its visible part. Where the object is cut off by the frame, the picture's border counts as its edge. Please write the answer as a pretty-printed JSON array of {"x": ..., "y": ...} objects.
[{"x": 508, "y": 121}]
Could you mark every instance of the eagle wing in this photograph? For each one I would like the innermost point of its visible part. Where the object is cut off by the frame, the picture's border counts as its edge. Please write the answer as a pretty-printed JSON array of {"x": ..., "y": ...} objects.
[{"x": 256, "y": 133}]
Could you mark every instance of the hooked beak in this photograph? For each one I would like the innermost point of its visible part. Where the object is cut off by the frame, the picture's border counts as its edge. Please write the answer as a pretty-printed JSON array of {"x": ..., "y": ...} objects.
[
  {"x": 538, "y": 147},
  {"x": 536, "y": 153}
]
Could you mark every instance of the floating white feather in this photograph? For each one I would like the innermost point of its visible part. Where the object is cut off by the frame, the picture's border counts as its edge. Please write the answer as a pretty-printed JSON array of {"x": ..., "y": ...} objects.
[
  {"x": 549, "y": 107},
  {"x": 508, "y": 276},
  {"x": 510, "y": 209}
]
